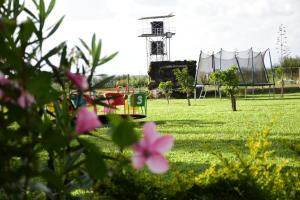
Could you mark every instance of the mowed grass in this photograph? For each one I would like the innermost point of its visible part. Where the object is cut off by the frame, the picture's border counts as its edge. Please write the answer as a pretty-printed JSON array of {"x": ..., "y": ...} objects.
[{"x": 209, "y": 126}]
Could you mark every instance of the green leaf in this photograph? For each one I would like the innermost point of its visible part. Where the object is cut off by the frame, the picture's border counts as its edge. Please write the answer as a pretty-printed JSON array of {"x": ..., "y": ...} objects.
[
  {"x": 52, "y": 179},
  {"x": 84, "y": 181},
  {"x": 95, "y": 165},
  {"x": 114, "y": 119},
  {"x": 30, "y": 13},
  {"x": 35, "y": 3},
  {"x": 85, "y": 45},
  {"x": 106, "y": 59},
  {"x": 42, "y": 9},
  {"x": 56, "y": 73},
  {"x": 82, "y": 55},
  {"x": 50, "y": 7},
  {"x": 41, "y": 187},
  {"x": 26, "y": 30},
  {"x": 17, "y": 8},
  {"x": 53, "y": 140},
  {"x": 51, "y": 53},
  {"x": 40, "y": 87},
  {"x": 94, "y": 161},
  {"x": 55, "y": 27},
  {"x": 63, "y": 58},
  {"x": 96, "y": 55},
  {"x": 123, "y": 133},
  {"x": 72, "y": 158},
  {"x": 93, "y": 45},
  {"x": 102, "y": 82}
]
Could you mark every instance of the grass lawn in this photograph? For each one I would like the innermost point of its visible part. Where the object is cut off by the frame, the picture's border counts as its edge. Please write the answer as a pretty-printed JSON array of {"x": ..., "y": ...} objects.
[{"x": 209, "y": 126}]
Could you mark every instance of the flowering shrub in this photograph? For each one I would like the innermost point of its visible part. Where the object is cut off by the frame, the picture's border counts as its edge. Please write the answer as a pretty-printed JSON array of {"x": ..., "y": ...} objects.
[
  {"x": 253, "y": 176},
  {"x": 41, "y": 155}
]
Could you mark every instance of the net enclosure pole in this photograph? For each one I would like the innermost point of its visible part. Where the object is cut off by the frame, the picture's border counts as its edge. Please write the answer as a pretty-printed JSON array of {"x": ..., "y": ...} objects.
[
  {"x": 214, "y": 69},
  {"x": 252, "y": 71},
  {"x": 196, "y": 76},
  {"x": 265, "y": 69},
  {"x": 238, "y": 65},
  {"x": 220, "y": 95},
  {"x": 273, "y": 72}
]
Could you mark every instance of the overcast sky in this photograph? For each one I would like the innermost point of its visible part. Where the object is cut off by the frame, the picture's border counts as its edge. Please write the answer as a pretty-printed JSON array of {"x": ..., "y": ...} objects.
[{"x": 200, "y": 25}]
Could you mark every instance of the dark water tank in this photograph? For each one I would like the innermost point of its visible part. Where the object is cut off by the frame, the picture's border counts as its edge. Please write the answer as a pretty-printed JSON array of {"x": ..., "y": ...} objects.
[
  {"x": 157, "y": 27},
  {"x": 157, "y": 48}
]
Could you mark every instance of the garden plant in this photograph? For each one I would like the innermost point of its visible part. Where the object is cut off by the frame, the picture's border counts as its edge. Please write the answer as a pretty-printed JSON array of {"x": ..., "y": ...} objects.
[
  {"x": 185, "y": 81},
  {"x": 166, "y": 89},
  {"x": 228, "y": 78}
]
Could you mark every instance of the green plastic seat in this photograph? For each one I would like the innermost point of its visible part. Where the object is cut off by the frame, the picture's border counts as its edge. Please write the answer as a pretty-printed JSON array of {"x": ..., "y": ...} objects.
[{"x": 138, "y": 101}]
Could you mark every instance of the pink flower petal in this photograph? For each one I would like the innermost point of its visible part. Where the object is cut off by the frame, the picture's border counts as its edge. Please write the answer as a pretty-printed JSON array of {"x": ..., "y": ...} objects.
[
  {"x": 86, "y": 121},
  {"x": 78, "y": 80},
  {"x": 138, "y": 148},
  {"x": 150, "y": 133},
  {"x": 138, "y": 160},
  {"x": 25, "y": 100},
  {"x": 3, "y": 80},
  {"x": 162, "y": 144},
  {"x": 109, "y": 109},
  {"x": 157, "y": 163}
]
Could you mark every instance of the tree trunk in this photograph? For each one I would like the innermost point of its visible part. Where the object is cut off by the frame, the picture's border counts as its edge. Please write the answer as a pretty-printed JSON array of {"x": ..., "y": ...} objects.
[
  {"x": 233, "y": 102},
  {"x": 282, "y": 86},
  {"x": 188, "y": 98},
  {"x": 168, "y": 100}
]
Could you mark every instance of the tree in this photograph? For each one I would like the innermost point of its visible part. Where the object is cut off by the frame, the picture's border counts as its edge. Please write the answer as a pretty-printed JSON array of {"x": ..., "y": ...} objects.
[
  {"x": 166, "y": 88},
  {"x": 228, "y": 78},
  {"x": 186, "y": 82}
]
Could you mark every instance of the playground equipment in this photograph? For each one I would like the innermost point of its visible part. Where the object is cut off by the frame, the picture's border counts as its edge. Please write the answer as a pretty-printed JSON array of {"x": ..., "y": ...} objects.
[
  {"x": 137, "y": 104},
  {"x": 125, "y": 102}
]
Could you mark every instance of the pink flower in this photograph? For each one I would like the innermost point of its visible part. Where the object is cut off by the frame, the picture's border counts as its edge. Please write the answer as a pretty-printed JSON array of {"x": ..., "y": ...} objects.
[
  {"x": 3, "y": 80},
  {"x": 150, "y": 150},
  {"x": 110, "y": 108},
  {"x": 86, "y": 121},
  {"x": 25, "y": 100},
  {"x": 78, "y": 80}
]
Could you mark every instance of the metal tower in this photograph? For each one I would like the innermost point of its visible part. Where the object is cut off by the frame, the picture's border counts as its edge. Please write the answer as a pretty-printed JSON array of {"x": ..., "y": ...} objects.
[{"x": 158, "y": 34}]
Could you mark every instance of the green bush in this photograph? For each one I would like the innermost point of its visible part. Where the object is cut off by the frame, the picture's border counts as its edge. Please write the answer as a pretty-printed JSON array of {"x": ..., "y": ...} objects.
[{"x": 253, "y": 176}]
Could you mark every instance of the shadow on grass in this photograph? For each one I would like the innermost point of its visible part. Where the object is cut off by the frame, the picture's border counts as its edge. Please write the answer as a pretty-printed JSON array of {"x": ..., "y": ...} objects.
[
  {"x": 210, "y": 145},
  {"x": 282, "y": 147},
  {"x": 271, "y": 98},
  {"x": 174, "y": 123},
  {"x": 186, "y": 166},
  {"x": 198, "y": 168},
  {"x": 187, "y": 122}
]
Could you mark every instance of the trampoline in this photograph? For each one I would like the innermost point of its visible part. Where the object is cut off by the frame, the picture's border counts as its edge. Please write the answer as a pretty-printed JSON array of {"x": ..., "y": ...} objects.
[{"x": 251, "y": 66}]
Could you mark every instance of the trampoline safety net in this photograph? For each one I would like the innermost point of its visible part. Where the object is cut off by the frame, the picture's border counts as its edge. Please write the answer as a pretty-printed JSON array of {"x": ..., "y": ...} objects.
[{"x": 251, "y": 66}]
